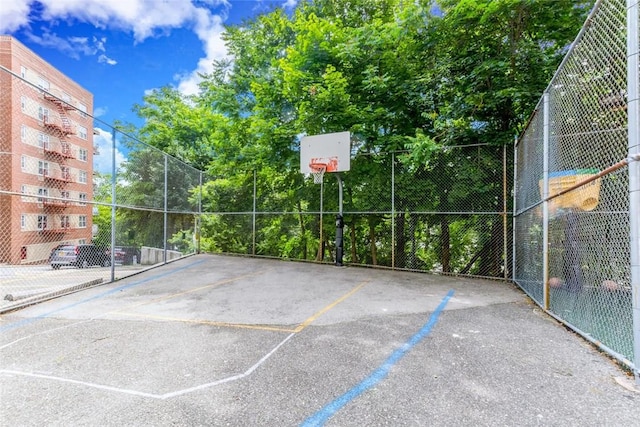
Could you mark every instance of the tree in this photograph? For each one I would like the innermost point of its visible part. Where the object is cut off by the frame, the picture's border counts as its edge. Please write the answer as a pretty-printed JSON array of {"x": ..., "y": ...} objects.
[
  {"x": 487, "y": 62},
  {"x": 417, "y": 76}
]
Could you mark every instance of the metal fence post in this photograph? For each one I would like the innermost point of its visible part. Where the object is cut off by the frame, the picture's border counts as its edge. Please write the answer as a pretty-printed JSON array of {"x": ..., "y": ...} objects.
[
  {"x": 113, "y": 204},
  {"x": 253, "y": 225},
  {"x": 504, "y": 213},
  {"x": 166, "y": 201},
  {"x": 393, "y": 210},
  {"x": 633, "y": 110},
  {"x": 199, "y": 220},
  {"x": 545, "y": 204},
  {"x": 515, "y": 211}
]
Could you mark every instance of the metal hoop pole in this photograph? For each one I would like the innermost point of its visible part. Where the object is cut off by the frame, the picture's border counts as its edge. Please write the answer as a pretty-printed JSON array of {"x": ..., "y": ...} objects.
[{"x": 339, "y": 225}]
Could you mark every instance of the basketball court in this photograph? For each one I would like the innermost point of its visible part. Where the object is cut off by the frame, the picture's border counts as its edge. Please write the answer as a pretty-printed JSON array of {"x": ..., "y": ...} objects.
[{"x": 221, "y": 340}]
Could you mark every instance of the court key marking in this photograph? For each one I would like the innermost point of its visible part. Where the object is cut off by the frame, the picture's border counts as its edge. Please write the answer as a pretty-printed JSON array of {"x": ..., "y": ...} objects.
[{"x": 236, "y": 377}]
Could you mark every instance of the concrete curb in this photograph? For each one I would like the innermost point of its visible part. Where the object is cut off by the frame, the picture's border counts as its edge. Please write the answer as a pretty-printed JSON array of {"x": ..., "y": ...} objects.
[{"x": 31, "y": 296}]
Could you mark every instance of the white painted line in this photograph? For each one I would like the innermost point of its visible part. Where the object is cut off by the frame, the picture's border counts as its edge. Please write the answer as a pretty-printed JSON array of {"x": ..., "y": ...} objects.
[
  {"x": 229, "y": 379},
  {"x": 67, "y": 380},
  {"x": 9, "y": 344},
  {"x": 152, "y": 395}
]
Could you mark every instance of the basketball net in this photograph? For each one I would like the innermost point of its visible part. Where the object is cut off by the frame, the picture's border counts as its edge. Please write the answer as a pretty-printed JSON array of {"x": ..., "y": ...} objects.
[{"x": 317, "y": 170}]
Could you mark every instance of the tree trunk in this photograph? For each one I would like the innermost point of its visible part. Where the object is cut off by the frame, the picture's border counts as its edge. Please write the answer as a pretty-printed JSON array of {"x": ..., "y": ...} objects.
[
  {"x": 443, "y": 206},
  {"x": 490, "y": 262},
  {"x": 302, "y": 231},
  {"x": 445, "y": 257},
  {"x": 496, "y": 247},
  {"x": 400, "y": 243},
  {"x": 413, "y": 225},
  {"x": 352, "y": 237},
  {"x": 320, "y": 253},
  {"x": 372, "y": 242}
]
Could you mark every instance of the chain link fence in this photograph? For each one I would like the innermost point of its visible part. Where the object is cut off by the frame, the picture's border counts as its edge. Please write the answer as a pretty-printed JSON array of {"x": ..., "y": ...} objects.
[
  {"x": 448, "y": 217},
  {"x": 82, "y": 203},
  {"x": 572, "y": 190},
  {"x": 138, "y": 207}
]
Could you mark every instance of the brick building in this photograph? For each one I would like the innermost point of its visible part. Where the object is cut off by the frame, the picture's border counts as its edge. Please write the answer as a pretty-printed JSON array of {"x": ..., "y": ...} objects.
[{"x": 46, "y": 157}]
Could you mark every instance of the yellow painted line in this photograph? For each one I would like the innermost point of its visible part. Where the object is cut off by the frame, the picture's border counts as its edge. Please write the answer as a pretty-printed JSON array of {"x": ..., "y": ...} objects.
[
  {"x": 210, "y": 322},
  {"x": 311, "y": 319},
  {"x": 299, "y": 328}
]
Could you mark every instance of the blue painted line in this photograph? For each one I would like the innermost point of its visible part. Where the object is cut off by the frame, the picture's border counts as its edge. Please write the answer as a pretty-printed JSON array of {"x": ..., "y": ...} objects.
[
  {"x": 30, "y": 320},
  {"x": 321, "y": 417}
]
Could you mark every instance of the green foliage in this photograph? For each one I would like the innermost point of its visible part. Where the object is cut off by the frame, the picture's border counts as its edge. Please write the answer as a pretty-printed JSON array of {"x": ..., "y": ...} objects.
[
  {"x": 400, "y": 76},
  {"x": 183, "y": 241},
  {"x": 226, "y": 233}
]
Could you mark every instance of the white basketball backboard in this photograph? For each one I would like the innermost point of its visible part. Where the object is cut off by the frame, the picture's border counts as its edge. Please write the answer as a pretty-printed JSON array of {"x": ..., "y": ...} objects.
[{"x": 331, "y": 149}]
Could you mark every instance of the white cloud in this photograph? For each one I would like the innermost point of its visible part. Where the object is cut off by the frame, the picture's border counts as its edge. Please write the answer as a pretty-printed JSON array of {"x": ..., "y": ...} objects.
[
  {"x": 103, "y": 162},
  {"x": 14, "y": 14},
  {"x": 99, "y": 43},
  {"x": 209, "y": 30},
  {"x": 105, "y": 59},
  {"x": 74, "y": 47},
  {"x": 143, "y": 18},
  {"x": 290, "y": 4},
  {"x": 100, "y": 111}
]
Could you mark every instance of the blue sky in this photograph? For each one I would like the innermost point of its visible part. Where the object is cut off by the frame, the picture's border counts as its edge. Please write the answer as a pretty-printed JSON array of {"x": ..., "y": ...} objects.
[{"x": 120, "y": 49}]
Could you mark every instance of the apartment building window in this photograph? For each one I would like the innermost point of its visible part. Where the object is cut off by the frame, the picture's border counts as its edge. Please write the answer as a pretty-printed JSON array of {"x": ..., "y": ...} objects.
[
  {"x": 82, "y": 132},
  {"x": 43, "y": 84},
  {"x": 82, "y": 177},
  {"x": 43, "y": 168},
  {"x": 83, "y": 198},
  {"x": 23, "y": 71},
  {"x": 23, "y": 133},
  {"x": 23, "y": 163},
  {"x": 42, "y": 192},
  {"x": 64, "y": 221},
  {"x": 83, "y": 109},
  {"x": 43, "y": 114},
  {"x": 23, "y": 221},
  {"x": 82, "y": 221},
  {"x": 43, "y": 140},
  {"x": 23, "y": 104},
  {"x": 64, "y": 173},
  {"x": 24, "y": 191},
  {"x": 83, "y": 155},
  {"x": 42, "y": 222}
]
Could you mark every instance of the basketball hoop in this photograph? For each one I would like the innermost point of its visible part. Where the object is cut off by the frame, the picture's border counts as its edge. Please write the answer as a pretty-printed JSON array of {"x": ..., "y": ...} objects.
[{"x": 317, "y": 170}]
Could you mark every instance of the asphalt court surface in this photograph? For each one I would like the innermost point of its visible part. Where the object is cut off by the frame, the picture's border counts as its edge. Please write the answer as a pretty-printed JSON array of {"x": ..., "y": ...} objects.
[{"x": 229, "y": 341}]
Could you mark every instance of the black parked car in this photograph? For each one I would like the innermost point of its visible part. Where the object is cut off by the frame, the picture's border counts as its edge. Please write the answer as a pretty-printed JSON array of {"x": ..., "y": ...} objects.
[
  {"x": 80, "y": 256},
  {"x": 126, "y": 255}
]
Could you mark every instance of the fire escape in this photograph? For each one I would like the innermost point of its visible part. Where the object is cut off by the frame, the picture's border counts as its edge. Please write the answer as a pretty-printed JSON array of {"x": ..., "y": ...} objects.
[{"x": 59, "y": 153}]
